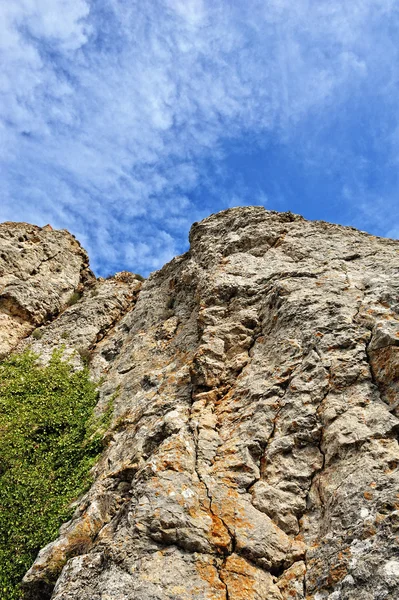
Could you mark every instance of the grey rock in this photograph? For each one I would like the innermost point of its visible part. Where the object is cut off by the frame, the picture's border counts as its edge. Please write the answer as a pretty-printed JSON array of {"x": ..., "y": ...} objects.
[
  {"x": 253, "y": 451},
  {"x": 40, "y": 270}
]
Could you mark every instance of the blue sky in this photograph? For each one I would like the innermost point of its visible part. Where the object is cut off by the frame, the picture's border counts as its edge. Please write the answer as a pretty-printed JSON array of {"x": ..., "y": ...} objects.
[{"x": 126, "y": 120}]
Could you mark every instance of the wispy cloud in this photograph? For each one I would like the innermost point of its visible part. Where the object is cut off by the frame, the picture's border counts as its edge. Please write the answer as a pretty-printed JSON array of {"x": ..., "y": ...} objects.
[{"x": 117, "y": 116}]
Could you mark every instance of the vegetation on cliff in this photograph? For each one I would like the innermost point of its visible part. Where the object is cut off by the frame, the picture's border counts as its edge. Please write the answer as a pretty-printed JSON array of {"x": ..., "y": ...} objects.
[{"x": 49, "y": 440}]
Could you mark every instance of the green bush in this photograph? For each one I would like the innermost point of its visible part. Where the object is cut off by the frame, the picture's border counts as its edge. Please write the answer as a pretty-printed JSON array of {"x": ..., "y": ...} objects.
[
  {"x": 38, "y": 333},
  {"x": 49, "y": 440},
  {"x": 76, "y": 296}
]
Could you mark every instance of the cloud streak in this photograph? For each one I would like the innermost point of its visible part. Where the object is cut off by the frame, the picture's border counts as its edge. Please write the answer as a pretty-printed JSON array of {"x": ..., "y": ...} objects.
[{"x": 112, "y": 111}]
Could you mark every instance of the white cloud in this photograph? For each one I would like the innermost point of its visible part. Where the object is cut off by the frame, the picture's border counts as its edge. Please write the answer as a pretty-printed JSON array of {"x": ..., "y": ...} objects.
[
  {"x": 109, "y": 108},
  {"x": 152, "y": 254}
]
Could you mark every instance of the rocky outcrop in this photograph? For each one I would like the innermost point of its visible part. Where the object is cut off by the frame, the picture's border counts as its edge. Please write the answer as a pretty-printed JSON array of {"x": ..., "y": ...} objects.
[
  {"x": 81, "y": 327},
  {"x": 253, "y": 451},
  {"x": 50, "y": 299},
  {"x": 40, "y": 271}
]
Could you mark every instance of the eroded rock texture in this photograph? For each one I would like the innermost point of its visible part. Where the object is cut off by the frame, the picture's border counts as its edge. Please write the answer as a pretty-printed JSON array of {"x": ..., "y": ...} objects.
[
  {"x": 40, "y": 270},
  {"x": 253, "y": 452}
]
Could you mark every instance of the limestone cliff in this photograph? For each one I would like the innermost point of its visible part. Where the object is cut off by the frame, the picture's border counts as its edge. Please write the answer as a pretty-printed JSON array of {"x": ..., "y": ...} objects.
[{"x": 253, "y": 451}]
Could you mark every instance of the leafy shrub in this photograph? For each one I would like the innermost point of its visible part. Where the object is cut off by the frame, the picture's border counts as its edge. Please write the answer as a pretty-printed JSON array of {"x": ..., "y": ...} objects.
[
  {"x": 38, "y": 333},
  {"x": 49, "y": 440},
  {"x": 76, "y": 296}
]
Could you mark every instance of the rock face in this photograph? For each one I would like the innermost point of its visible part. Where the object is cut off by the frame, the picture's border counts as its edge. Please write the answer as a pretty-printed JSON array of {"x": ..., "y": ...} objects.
[
  {"x": 253, "y": 452},
  {"x": 40, "y": 270}
]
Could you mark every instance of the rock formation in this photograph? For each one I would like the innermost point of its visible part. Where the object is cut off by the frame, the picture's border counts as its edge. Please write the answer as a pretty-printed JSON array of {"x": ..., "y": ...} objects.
[{"x": 253, "y": 450}]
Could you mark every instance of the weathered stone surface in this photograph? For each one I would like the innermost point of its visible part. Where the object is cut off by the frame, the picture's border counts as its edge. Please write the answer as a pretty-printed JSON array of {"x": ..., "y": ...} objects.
[
  {"x": 82, "y": 330},
  {"x": 253, "y": 452},
  {"x": 40, "y": 270}
]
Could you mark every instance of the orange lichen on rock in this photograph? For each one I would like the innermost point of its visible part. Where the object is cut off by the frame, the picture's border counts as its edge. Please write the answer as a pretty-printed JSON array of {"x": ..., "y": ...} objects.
[
  {"x": 291, "y": 582},
  {"x": 209, "y": 573},
  {"x": 246, "y": 582}
]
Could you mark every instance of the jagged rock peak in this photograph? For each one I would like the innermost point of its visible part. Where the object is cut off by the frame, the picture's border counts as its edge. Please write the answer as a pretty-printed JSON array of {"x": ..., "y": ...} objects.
[
  {"x": 47, "y": 289},
  {"x": 253, "y": 451}
]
